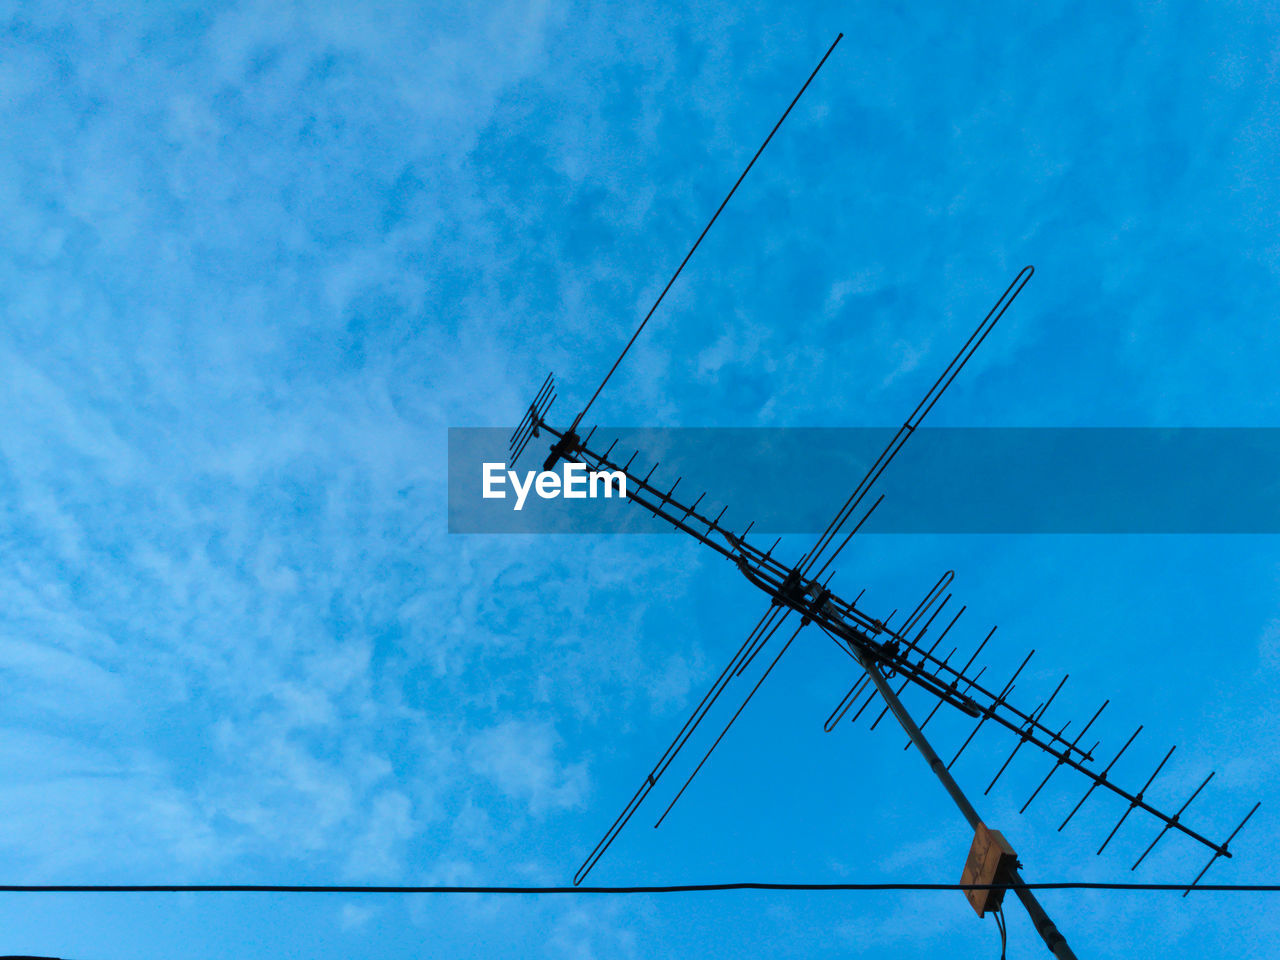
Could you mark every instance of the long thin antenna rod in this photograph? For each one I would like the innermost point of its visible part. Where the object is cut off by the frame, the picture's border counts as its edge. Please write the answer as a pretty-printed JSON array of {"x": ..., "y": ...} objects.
[{"x": 688, "y": 255}]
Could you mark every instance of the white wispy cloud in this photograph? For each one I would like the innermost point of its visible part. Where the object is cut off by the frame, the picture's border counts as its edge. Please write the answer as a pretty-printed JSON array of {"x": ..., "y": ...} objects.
[{"x": 518, "y": 757}]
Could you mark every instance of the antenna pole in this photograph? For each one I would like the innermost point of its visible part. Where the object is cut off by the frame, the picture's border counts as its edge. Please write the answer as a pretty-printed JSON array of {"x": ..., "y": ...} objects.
[{"x": 1053, "y": 939}]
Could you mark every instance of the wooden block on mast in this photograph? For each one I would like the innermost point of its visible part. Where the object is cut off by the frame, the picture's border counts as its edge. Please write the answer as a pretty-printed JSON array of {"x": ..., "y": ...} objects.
[{"x": 990, "y": 858}]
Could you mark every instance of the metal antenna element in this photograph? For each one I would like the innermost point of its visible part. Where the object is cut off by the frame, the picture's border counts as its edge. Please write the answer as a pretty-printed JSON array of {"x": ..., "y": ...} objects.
[
  {"x": 723, "y": 203},
  {"x": 537, "y": 412},
  {"x": 912, "y": 422},
  {"x": 882, "y": 652},
  {"x": 767, "y": 626},
  {"x": 737, "y": 713}
]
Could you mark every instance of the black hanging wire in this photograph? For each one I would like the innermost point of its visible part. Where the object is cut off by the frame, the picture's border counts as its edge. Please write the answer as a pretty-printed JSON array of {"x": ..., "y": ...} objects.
[
  {"x": 998, "y": 913},
  {"x": 1202, "y": 888}
]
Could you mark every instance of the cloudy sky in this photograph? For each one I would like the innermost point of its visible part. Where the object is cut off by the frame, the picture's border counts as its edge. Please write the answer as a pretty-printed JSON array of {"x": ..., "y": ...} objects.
[{"x": 257, "y": 258}]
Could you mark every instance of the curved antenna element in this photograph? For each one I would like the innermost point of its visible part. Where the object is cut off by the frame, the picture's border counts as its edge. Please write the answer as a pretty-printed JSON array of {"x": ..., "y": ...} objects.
[{"x": 912, "y": 422}]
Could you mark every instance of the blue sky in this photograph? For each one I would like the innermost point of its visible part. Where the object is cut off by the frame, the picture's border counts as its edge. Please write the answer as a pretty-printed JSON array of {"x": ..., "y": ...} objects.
[{"x": 257, "y": 259}]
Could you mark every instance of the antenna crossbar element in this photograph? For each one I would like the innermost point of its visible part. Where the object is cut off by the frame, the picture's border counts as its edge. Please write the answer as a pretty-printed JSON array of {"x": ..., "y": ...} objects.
[
  {"x": 1057, "y": 764},
  {"x": 909, "y": 427},
  {"x": 767, "y": 625},
  {"x": 1222, "y": 851},
  {"x": 528, "y": 426}
]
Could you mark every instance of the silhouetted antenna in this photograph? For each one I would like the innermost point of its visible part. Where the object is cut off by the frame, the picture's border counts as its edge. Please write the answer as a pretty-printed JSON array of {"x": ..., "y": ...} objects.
[
  {"x": 882, "y": 651},
  {"x": 885, "y": 650},
  {"x": 737, "y": 713},
  {"x": 1137, "y": 799},
  {"x": 845, "y": 703},
  {"x": 1023, "y": 740},
  {"x": 946, "y": 578},
  {"x": 998, "y": 701}
]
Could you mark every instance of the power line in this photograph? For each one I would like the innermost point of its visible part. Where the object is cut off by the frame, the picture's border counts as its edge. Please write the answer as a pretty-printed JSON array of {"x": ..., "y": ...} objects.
[{"x": 656, "y": 888}]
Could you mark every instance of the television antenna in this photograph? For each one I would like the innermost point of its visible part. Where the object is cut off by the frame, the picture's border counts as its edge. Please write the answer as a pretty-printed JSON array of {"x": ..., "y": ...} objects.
[{"x": 883, "y": 652}]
